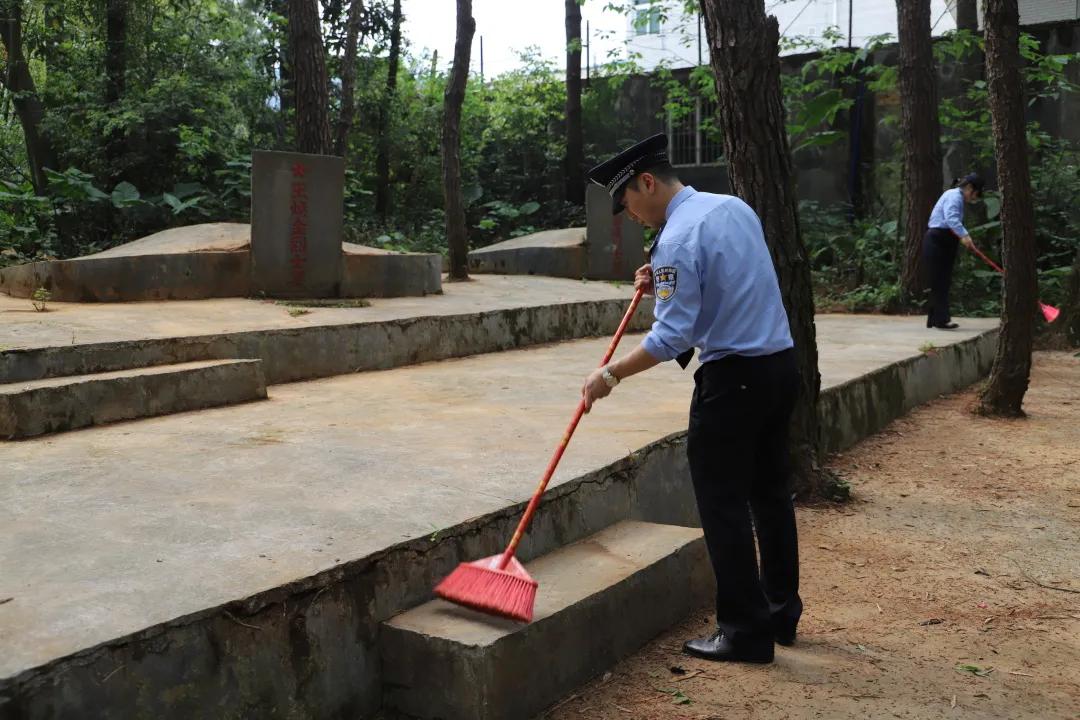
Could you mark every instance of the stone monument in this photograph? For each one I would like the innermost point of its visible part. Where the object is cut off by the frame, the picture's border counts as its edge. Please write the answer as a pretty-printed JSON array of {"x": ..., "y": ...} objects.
[
  {"x": 296, "y": 219},
  {"x": 614, "y": 244}
]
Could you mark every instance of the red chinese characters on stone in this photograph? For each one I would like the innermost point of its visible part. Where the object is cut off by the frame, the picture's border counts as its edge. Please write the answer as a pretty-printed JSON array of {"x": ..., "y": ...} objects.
[{"x": 298, "y": 216}]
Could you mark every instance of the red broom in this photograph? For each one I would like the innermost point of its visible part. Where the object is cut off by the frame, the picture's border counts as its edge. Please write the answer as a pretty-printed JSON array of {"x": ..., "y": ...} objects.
[
  {"x": 500, "y": 585},
  {"x": 1049, "y": 311}
]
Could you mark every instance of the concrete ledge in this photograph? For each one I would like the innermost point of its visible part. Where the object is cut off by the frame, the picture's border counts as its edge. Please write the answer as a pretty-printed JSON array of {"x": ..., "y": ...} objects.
[
  {"x": 859, "y": 408},
  {"x": 48, "y": 406},
  {"x": 323, "y": 351},
  {"x": 187, "y": 276},
  {"x": 600, "y": 599}
]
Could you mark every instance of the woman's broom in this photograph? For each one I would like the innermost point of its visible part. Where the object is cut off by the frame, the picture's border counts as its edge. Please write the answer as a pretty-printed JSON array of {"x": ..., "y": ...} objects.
[
  {"x": 1049, "y": 311},
  {"x": 499, "y": 585}
]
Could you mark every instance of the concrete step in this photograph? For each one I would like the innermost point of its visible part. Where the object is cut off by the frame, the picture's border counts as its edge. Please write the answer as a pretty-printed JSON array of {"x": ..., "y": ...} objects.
[
  {"x": 66, "y": 403},
  {"x": 599, "y": 600}
]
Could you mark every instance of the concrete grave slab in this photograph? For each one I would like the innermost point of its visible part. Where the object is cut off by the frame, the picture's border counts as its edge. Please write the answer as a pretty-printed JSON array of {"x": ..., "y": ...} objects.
[
  {"x": 209, "y": 260},
  {"x": 376, "y": 273},
  {"x": 202, "y": 238},
  {"x": 609, "y": 248},
  {"x": 555, "y": 253}
]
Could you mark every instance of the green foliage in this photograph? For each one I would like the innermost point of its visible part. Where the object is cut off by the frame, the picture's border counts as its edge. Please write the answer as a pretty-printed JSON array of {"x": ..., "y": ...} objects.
[
  {"x": 823, "y": 87},
  {"x": 853, "y": 260},
  {"x": 203, "y": 89},
  {"x": 40, "y": 299},
  {"x": 22, "y": 213},
  {"x": 836, "y": 488},
  {"x": 503, "y": 218},
  {"x": 520, "y": 157},
  {"x": 197, "y": 96},
  {"x": 512, "y": 158}
]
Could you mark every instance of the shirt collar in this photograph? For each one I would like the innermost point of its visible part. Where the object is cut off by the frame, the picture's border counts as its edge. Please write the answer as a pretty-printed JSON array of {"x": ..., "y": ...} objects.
[{"x": 680, "y": 197}]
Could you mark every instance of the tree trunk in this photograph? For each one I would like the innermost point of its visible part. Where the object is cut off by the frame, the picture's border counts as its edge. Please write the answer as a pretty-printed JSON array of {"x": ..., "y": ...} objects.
[
  {"x": 116, "y": 22},
  {"x": 116, "y": 17},
  {"x": 1004, "y": 395},
  {"x": 743, "y": 49},
  {"x": 309, "y": 78},
  {"x": 960, "y": 155},
  {"x": 53, "y": 12},
  {"x": 921, "y": 135},
  {"x": 348, "y": 79},
  {"x": 382, "y": 162},
  {"x": 453, "y": 99},
  {"x": 575, "y": 152},
  {"x": 967, "y": 15},
  {"x": 18, "y": 81},
  {"x": 286, "y": 91}
]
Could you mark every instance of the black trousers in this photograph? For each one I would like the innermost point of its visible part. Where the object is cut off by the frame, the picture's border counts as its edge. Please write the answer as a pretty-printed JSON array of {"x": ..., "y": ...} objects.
[
  {"x": 740, "y": 466},
  {"x": 939, "y": 256}
]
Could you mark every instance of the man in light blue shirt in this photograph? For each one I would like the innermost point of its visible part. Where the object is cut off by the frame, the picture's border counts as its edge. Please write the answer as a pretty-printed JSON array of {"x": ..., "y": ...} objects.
[
  {"x": 712, "y": 254},
  {"x": 944, "y": 229},
  {"x": 716, "y": 290}
]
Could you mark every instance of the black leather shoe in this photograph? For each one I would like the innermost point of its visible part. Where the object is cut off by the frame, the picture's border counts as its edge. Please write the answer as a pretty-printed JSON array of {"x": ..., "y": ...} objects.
[
  {"x": 947, "y": 326},
  {"x": 720, "y": 648},
  {"x": 784, "y": 637}
]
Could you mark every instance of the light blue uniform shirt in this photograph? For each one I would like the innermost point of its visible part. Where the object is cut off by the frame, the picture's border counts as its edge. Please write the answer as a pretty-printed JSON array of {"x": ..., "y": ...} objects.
[
  {"x": 948, "y": 213},
  {"x": 714, "y": 282}
]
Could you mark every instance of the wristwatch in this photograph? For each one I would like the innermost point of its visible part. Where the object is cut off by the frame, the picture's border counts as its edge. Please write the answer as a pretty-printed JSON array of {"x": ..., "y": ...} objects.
[{"x": 609, "y": 377}]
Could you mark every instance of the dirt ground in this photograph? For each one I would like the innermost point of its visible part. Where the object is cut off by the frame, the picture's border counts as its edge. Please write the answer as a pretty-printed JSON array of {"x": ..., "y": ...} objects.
[{"x": 929, "y": 595}]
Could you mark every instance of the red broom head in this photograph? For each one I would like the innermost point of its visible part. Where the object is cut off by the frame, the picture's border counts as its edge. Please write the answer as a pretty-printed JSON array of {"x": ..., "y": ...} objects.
[
  {"x": 480, "y": 585},
  {"x": 1049, "y": 312}
]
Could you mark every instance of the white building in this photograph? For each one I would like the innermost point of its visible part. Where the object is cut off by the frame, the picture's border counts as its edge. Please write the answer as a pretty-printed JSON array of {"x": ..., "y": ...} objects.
[{"x": 662, "y": 33}]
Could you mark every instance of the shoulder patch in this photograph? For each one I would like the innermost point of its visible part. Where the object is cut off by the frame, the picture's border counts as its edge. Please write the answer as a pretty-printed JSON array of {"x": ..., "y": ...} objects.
[{"x": 665, "y": 279}]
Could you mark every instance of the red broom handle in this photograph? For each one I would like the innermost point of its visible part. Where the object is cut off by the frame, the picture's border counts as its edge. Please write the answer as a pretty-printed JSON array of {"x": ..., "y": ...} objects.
[
  {"x": 988, "y": 261},
  {"x": 535, "y": 501}
]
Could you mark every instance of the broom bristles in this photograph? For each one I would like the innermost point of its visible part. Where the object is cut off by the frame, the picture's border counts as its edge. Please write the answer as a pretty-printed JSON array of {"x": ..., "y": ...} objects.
[{"x": 478, "y": 585}]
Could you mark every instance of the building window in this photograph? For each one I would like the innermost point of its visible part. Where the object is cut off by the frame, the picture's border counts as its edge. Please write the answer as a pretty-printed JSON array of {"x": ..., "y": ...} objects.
[
  {"x": 693, "y": 137},
  {"x": 646, "y": 18}
]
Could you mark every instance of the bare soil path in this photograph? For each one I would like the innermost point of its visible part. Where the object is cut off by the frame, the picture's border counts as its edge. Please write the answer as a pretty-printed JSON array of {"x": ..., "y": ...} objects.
[{"x": 948, "y": 588}]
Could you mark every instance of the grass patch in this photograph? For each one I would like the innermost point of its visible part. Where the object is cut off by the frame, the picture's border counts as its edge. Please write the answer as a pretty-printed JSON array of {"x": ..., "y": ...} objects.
[{"x": 325, "y": 303}]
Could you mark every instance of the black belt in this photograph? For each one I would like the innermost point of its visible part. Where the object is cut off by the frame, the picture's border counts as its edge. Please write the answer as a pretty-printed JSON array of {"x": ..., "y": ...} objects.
[{"x": 746, "y": 362}]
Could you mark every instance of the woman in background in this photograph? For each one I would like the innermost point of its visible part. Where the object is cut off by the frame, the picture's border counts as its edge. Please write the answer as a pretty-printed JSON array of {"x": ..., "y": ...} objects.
[{"x": 945, "y": 230}]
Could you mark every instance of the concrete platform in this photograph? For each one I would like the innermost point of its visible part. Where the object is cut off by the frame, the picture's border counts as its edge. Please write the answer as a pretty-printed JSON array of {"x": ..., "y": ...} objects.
[
  {"x": 602, "y": 598},
  {"x": 487, "y": 314},
  {"x": 69, "y": 403},
  {"x": 210, "y": 260},
  {"x": 243, "y": 558}
]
